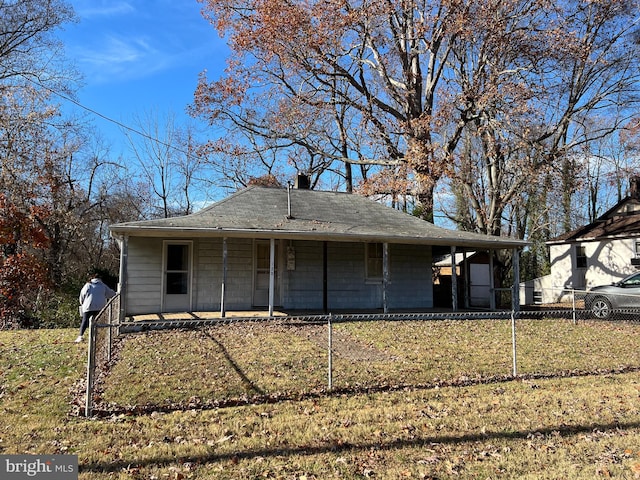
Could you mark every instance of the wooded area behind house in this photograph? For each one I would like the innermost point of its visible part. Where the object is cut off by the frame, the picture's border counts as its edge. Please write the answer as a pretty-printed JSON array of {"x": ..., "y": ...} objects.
[{"x": 511, "y": 118}]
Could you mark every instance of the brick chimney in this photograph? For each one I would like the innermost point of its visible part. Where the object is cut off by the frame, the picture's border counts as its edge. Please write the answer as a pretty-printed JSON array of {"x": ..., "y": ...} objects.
[
  {"x": 303, "y": 182},
  {"x": 634, "y": 187}
]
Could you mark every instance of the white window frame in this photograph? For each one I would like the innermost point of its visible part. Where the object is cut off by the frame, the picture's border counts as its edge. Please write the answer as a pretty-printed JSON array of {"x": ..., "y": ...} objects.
[{"x": 581, "y": 253}]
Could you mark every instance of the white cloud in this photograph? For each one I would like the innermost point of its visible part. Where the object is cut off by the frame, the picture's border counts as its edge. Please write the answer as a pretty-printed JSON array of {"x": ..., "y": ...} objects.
[
  {"x": 118, "y": 58},
  {"x": 121, "y": 40},
  {"x": 92, "y": 9}
]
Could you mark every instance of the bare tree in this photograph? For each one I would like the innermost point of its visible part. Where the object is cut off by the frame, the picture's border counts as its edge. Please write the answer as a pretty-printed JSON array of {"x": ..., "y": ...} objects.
[
  {"x": 404, "y": 81},
  {"x": 28, "y": 46},
  {"x": 530, "y": 97},
  {"x": 372, "y": 71}
]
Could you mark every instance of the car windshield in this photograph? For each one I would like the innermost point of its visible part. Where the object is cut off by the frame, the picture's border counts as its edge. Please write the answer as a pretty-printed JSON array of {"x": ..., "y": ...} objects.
[{"x": 632, "y": 281}]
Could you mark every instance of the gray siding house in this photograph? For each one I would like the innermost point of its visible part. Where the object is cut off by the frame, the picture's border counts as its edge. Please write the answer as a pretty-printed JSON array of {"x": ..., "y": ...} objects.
[{"x": 291, "y": 249}]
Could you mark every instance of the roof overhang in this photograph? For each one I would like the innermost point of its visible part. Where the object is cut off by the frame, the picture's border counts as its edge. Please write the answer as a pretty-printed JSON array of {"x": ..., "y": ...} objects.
[{"x": 457, "y": 239}]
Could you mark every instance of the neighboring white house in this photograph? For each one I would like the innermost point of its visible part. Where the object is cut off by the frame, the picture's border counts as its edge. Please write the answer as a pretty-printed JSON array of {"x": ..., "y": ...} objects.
[{"x": 600, "y": 253}]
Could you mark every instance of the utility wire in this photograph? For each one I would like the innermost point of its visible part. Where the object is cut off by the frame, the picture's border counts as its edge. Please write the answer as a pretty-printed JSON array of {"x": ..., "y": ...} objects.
[{"x": 104, "y": 117}]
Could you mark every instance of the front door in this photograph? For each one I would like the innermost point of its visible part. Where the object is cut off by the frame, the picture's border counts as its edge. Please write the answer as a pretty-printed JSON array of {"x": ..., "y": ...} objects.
[
  {"x": 479, "y": 285},
  {"x": 262, "y": 274},
  {"x": 177, "y": 277}
]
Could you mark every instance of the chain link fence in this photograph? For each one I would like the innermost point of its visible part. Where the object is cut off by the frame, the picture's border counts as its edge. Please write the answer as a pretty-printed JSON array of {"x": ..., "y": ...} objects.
[
  {"x": 616, "y": 302},
  {"x": 104, "y": 329},
  {"x": 511, "y": 331}
]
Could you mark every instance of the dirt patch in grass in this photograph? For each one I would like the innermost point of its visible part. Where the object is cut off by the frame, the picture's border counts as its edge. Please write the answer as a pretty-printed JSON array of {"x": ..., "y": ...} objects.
[{"x": 343, "y": 343}]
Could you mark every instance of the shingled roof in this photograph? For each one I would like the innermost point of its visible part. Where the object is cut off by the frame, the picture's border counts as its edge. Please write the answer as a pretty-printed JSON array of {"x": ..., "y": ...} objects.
[
  {"x": 623, "y": 220},
  {"x": 260, "y": 212}
]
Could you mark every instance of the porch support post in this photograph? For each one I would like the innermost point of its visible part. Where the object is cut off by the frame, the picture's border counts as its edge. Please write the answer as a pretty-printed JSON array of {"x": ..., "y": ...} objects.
[
  {"x": 454, "y": 281},
  {"x": 325, "y": 279},
  {"x": 122, "y": 280},
  {"x": 492, "y": 283},
  {"x": 122, "y": 277},
  {"x": 223, "y": 312},
  {"x": 272, "y": 274},
  {"x": 465, "y": 280},
  {"x": 385, "y": 276},
  {"x": 515, "y": 297}
]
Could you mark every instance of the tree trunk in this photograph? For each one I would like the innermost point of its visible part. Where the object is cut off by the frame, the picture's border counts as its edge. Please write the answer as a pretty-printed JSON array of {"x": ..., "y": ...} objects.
[
  {"x": 420, "y": 158},
  {"x": 425, "y": 197},
  {"x": 568, "y": 187},
  {"x": 348, "y": 176}
]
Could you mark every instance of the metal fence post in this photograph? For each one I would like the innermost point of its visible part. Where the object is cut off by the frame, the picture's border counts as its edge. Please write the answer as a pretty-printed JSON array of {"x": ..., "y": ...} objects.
[
  {"x": 110, "y": 335},
  {"x": 573, "y": 303},
  {"x": 513, "y": 343},
  {"x": 118, "y": 299},
  {"x": 330, "y": 352},
  {"x": 91, "y": 366}
]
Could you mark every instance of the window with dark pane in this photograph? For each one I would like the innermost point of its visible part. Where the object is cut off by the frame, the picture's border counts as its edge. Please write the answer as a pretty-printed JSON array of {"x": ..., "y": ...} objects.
[
  {"x": 581, "y": 257},
  {"x": 177, "y": 279}
]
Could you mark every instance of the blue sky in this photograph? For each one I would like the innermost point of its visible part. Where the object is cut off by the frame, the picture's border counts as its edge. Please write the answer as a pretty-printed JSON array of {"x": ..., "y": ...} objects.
[{"x": 140, "y": 56}]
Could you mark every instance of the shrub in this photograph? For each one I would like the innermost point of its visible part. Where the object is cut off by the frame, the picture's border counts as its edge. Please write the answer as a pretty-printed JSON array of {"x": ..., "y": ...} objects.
[{"x": 59, "y": 310}]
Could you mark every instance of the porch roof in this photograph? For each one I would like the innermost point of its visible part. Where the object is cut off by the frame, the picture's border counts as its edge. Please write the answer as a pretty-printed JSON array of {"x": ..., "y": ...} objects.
[{"x": 261, "y": 212}]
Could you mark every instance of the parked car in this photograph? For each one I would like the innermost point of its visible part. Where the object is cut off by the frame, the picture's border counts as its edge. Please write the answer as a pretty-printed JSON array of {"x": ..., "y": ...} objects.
[{"x": 603, "y": 300}]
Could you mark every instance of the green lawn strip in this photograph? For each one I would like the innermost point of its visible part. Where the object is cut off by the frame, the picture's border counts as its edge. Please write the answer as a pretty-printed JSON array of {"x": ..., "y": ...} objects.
[
  {"x": 450, "y": 349},
  {"x": 234, "y": 361},
  {"x": 421, "y": 352},
  {"x": 38, "y": 371},
  {"x": 552, "y": 345}
]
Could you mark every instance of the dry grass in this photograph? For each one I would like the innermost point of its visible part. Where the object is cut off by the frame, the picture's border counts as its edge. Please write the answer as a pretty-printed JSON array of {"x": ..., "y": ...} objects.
[
  {"x": 233, "y": 363},
  {"x": 574, "y": 427}
]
